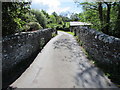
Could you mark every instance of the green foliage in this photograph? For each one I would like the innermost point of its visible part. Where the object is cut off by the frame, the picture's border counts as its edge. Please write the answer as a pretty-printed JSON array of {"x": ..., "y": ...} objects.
[
  {"x": 75, "y": 17},
  {"x": 65, "y": 19},
  {"x": 107, "y": 74},
  {"x": 105, "y": 16},
  {"x": 29, "y": 17},
  {"x": 71, "y": 33},
  {"x": 52, "y": 19},
  {"x": 67, "y": 32},
  {"x": 55, "y": 14},
  {"x": 54, "y": 34},
  {"x": 57, "y": 21},
  {"x": 45, "y": 13},
  {"x": 41, "y": 18},
  {"x": 34, "y": 26},
  {"x": 26, "y": 28},
  {"x": 13, "y": 16},
  {"x": 67, "y": 24},
  {"x": 52, "y": 25},
  {"x": 42, "y": 43}
]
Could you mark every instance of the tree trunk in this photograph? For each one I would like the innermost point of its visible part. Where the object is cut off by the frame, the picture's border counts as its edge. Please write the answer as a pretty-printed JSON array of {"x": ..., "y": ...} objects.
[
  {"x": 117, "y": 27},
  {"x": 107, "y": 18},
  {"x": 100, "y": 9}
]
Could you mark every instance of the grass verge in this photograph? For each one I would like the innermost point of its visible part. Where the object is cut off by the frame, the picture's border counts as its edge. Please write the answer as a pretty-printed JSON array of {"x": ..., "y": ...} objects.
[
  {"x": 67, "y": 32},
  {"x": 53, "y": 34}
]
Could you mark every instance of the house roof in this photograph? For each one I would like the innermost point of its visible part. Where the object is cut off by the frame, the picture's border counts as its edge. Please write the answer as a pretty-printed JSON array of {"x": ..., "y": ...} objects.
[{"x": 75, "y": 23}]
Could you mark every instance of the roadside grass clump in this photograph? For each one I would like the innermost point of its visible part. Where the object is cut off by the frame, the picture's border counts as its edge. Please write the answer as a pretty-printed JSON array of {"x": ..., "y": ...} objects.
[
  {"x": 54, "y": 34},
  {"x": 88, "y": 56},
  {"x": 70, "y": 33},
  {"x": 42, "y": 43}
]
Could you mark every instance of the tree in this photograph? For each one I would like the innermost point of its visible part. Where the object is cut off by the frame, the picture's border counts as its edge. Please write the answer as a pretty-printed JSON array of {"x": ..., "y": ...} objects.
[
  {"x": 74, "y": 17},
  {"x": 117, "y": 24},
  {"x": 34, "y": 26},
  {"x": 90, "y": 14},
  {"x": 64, "y": 18},
  {"x": 12, "y": 16},
  {"x": 29, "y": 17},
  {"x": 106, "y": 30},
  {"x": 45, "y": 13},
  {"x": 55, "y": 14},
  {"x": 52, "y": 19},
  {"x": 100, "y": 9},
  {"x": 104, "y": 16},
  {"x": 41, "y": 18}
]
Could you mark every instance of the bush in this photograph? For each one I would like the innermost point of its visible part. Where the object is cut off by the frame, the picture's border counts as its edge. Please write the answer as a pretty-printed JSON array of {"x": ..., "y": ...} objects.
[
  {"x": 41, "y": 18},
  {"x": 13, "y": 16},
  {"x": 67, "y": 25},
  {"x": 33, "y": 26},
  {"x": 26, "y": 28},
  {"x": 52, "y": 25},
  {"x": 59, "y": 27}
]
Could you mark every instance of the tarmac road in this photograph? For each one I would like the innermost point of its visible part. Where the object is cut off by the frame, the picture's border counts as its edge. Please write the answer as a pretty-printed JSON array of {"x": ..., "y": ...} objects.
[{"x": 62, "y": 64}]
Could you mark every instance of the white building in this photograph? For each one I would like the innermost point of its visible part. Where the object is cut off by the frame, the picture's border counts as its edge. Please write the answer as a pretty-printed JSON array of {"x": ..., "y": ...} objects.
[{"x": 75, "y": 24}]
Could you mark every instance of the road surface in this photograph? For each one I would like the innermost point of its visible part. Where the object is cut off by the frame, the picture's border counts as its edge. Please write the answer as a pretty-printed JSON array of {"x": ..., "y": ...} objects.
[{"x": 62, "y": 64}]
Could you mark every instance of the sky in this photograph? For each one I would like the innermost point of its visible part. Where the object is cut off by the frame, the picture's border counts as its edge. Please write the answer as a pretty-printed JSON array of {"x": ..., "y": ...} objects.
[{"x": 58, "y": 6}]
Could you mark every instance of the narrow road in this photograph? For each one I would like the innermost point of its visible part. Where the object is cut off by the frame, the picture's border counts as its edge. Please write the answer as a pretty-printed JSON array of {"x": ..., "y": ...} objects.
[{"x": 62, "y": 64}]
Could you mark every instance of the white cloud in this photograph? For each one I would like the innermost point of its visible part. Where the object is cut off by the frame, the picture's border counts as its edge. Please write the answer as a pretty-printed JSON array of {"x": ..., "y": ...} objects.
[
  {"x": 58, "y": 10},
  {"x": 50, "y": 3},
  {"x": 53, "y": 5},
  {"x": 66, "y": 0}
]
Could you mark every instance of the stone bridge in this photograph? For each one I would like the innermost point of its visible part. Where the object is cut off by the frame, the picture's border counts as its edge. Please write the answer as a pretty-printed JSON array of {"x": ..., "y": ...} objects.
[{"x": 62, "y": 63}]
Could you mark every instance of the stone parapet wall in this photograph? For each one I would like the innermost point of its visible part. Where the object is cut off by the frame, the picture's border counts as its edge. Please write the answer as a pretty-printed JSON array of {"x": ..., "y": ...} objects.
[
  {"x": 103, "y": 48},
  {"x": 20, "y": 50}
]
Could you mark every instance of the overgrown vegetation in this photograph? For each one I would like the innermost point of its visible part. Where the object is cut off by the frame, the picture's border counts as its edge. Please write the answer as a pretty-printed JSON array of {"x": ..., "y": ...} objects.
[
  {"x": 19, "y": 17},
  {"x": 54, "y": 34},
  {"x": 13, "y": 17},
  {"x": 105, "y": 16},
  {"x": 16, "y": 17}
]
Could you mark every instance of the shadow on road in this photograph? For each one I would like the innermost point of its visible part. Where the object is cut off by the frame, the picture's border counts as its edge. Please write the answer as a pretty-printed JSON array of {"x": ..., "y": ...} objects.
[{"x": 92, "y": 77}]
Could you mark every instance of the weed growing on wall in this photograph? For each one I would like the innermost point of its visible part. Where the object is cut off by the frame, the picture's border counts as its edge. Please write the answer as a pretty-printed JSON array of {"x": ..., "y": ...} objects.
[{"x": 42, "y": 43}]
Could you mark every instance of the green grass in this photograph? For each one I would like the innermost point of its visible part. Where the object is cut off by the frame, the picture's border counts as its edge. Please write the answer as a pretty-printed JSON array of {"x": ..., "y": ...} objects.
[
  {"x": 53, "y": 34},
  {"x": 67, "y": 32},
  {"x": 71, "y": 33}
]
